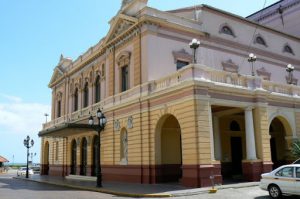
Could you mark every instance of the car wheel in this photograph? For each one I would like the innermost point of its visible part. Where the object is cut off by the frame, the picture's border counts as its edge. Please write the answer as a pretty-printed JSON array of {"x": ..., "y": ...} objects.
[{"x": 274, "y": 191}]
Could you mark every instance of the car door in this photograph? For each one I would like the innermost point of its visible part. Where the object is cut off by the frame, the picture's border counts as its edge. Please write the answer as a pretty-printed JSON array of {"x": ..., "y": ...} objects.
[
  {"x": 297, "y": 182},
  {"x": 284, "y": 178}
]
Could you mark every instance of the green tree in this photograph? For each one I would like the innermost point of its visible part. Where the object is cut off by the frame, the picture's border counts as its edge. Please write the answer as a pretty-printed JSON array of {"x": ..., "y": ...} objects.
[{"x": 296, "y": 149}]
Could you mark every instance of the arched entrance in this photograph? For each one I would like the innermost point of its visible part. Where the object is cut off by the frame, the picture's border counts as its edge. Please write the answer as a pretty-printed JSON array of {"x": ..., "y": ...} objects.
[
  {"x": 73, "y": 157},
  {"x": 95, "y": 155},
  {"x": 280, "y": 133},
  {"x": 169, "y": 145},
  {"x": 83, "y": 165},
  {"x": 46, "y": 159}
]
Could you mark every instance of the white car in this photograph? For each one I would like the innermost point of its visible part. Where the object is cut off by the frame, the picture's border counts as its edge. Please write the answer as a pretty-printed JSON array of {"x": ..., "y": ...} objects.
[
  {"x": 22, "y": 171},
  {"x": 283, "y": 180}
]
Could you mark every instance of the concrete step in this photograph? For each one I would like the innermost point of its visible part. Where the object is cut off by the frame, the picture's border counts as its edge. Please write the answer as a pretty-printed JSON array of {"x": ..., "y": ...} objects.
[{"x": 79, "y": 177}]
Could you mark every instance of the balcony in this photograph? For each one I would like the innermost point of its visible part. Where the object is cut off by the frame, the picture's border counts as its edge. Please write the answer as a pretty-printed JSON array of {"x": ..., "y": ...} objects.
[{"x": 195, "y": 74}]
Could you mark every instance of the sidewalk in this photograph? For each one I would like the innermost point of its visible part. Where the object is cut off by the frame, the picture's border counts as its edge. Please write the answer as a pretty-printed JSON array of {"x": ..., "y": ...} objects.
[{"x": 131, "y": 189}]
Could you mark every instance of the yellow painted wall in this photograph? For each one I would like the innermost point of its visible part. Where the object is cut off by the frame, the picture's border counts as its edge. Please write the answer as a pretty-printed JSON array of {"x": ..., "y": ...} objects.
[{"x": 262, "y": 137}]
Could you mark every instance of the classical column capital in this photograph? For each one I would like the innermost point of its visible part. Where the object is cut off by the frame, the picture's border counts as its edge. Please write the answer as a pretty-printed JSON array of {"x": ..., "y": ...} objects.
[{"x": 249, "y": 108}]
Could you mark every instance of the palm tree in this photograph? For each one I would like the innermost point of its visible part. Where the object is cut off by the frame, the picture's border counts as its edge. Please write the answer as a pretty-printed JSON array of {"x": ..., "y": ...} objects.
[{"x": 296, "y": 149}]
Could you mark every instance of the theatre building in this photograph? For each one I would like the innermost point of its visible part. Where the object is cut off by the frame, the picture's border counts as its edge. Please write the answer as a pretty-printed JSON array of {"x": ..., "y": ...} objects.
[{"x": 176, "y": 113}]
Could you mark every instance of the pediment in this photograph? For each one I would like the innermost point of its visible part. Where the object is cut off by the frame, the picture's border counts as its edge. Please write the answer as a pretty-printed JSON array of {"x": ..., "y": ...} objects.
[
  {"x": 120, "y": 25},
  {"x": 57, "y": 74}
]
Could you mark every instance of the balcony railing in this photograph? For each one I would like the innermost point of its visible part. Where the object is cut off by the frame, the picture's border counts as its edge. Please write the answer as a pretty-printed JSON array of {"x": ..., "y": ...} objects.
[{"x": 196, "y": 73}]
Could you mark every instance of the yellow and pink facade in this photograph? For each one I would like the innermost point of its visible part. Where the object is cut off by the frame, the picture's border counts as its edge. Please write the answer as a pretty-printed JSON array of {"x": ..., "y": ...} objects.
[{"x": 173, "y": 122}]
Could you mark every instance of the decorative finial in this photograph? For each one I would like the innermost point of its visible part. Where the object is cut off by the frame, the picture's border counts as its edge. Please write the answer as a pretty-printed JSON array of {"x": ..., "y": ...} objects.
[{"x": 125, "y": 2}]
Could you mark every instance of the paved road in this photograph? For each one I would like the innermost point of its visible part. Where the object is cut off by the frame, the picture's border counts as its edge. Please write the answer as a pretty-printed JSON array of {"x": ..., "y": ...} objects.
[
  {"x": 18, "y": 189},
  {"x": 240, "y": 193}
]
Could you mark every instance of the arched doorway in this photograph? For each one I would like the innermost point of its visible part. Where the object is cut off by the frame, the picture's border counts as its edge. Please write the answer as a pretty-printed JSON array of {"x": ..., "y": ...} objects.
[
  {"x": 95, "y": 155},
  {"x": 83, "y": 165},
  {"x": 232, "y": 147},
  {"x": 169, "y": 144},
  {"x": 280, "y": 132},
  {"x": 73, "y": 157},
  {"x": 46, "y": 159}
]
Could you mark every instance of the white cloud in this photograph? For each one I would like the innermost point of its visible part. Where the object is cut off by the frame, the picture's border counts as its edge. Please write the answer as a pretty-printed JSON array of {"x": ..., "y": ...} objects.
[
  {"x": 21, "y": 118},
  {"x": 11, "y": 98}
]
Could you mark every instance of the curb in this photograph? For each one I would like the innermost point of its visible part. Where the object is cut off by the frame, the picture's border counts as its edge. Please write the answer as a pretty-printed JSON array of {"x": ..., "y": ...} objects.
[{"x": 100, "y": 190}]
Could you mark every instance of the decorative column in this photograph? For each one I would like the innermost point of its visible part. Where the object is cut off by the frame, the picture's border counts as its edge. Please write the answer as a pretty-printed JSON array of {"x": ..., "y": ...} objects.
[
  {"x": 217, "y": 140},
  {"x": 252, "y": 167},
  {"x": 250, "y": 138}
]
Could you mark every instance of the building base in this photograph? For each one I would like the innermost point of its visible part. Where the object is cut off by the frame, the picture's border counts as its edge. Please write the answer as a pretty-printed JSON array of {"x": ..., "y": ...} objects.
[{"x": 252, "y": 170}]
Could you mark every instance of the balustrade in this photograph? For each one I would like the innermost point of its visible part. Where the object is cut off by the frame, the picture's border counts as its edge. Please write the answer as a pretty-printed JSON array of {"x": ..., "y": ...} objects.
[{"x": 189, "y": 73}]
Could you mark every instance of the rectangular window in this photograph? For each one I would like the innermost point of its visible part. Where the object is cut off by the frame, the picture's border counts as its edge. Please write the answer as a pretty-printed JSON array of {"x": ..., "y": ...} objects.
[
  {"x": 56, "y": 150},
  {"x": 180, "y": 64},
  {"x": 58, "y": 108},
  {"x": 125, "y": 80}
]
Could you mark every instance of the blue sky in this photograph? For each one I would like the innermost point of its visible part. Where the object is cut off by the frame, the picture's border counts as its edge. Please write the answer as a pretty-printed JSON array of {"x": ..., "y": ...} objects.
[{"x": 33, "y": 35}]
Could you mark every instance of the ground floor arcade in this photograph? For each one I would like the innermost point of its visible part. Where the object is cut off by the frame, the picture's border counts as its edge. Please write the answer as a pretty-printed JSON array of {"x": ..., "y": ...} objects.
[{"x": 177, "y": 139}]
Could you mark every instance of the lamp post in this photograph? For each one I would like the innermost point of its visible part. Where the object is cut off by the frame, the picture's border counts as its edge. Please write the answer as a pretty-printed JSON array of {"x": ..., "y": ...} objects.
[
  {"x": 194, "y": 44},
  {"x": 28, "y": 144},
  {"x": 252, "y": 59},
  {"x": 98, "y": 127},
  {"x": 290, "y": 68},
  {"x": 46, "y": 115}
]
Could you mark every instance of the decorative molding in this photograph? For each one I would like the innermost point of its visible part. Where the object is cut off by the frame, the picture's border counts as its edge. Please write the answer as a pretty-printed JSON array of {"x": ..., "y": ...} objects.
[
  {"x": 123, "y": 59},
  {"x": 260, "y": 42},
  {"x": 225, "y": 28},
  {"x": 59, "y": 95},
  {"x": 287, "y": 49},
  {"x": 230, "y": 66},
  {"x": 117, "y": 125},
  {"x": 262, "y": 72},
  {"x": 182, "y": 55},
  {"x": 130, "y": 122}
]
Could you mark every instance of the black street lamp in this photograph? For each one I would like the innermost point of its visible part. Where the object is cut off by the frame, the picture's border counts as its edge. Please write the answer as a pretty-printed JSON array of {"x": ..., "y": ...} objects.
[
  {"x": 290, "y": 68},
  {"x": 28, "y": 144},
  {"x": 252, "y": 59},
  {"x": 98, "y": 127},
  {"x": 194, "y": 44}
]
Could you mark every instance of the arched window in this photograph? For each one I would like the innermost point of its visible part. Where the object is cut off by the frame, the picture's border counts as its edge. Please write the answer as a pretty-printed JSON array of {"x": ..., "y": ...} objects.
[
  {"x": 260, "y": 40},
  {"x": 76, "y": 99},
  {"x": 86, "y": 95},
  {"x": 234, "y": 126},
  {"x": 225, "y": 29},
  {"x": 288, "y": 49},
  {"x": 123, "y": 147},
  {"x": 97, "y": 89}
]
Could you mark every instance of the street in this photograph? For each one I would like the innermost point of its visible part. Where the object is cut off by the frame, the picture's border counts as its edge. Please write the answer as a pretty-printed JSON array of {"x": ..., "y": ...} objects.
[{"x": 19, "y": 189}]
